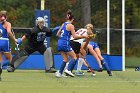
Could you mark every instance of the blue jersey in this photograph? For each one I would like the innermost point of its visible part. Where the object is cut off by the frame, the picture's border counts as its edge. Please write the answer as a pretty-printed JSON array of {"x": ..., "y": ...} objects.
[
  {"x": 4, "y": 40},
  {"x": 3, "y": 32},
  {"x": 65, "y": 34},
  {"x": 94, "y": 45},
  {"x": 64, "y": 39}
]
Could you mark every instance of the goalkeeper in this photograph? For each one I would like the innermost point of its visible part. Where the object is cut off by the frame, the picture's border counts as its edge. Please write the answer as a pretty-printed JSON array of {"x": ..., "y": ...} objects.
[{"x": 35, "y": 37}]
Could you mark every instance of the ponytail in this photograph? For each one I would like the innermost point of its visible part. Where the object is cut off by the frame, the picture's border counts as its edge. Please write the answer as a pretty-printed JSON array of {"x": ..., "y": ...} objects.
[{"x": 69, "y": 15}]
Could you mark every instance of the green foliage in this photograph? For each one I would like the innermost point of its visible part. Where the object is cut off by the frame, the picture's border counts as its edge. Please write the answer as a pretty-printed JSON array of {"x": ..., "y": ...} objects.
[{"x": 21, "y": 14}]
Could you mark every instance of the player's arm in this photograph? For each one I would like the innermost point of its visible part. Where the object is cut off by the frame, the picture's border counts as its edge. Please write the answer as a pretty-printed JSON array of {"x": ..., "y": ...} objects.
[
  {"x": 59, "y": 31},
  {"x": 75, "y": 36},
  {"x": 48, "y": 32},
  {"x": 23, "y": 37},
  {"x": 8, "y": 28},
  {"x": 27, "y": 35}
]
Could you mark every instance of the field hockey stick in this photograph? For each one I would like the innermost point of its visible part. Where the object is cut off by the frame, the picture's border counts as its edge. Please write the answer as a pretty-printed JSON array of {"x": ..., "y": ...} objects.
[
  {"x": 17, "y": 45},
  {"x": 88, "y": 66}
]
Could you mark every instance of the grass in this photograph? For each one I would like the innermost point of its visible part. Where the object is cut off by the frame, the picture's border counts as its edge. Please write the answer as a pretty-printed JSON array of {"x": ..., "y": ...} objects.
[
  {"x": 132, "y": 61},
  {"x": 37, "y": 81}
]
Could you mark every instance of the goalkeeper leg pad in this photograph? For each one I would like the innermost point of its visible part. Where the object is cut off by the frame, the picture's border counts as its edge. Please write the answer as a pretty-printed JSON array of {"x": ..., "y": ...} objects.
[
  {"x": 17, "y": 60},
  {"x": 48, "y": 59}
]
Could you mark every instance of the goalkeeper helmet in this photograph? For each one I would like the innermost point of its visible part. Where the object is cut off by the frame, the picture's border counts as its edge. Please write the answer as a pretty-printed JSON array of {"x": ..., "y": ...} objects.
[{"x": 40, "y": 22}]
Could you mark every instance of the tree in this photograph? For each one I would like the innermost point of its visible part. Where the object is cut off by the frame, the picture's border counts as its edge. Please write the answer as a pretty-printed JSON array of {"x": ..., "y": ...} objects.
[{"x": 86, "y": 11}]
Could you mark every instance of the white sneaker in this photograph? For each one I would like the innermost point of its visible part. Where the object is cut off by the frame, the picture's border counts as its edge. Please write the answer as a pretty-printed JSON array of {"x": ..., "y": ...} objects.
[
  {"x": 79, "y": 73},
  {"x": 57, "y": 74},
  {"x": 94, "y": 75},
  {"x": 69, "y": 73}
]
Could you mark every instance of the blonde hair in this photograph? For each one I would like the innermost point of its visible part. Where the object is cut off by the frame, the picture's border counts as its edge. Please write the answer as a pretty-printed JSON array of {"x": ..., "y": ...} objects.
[
  {"x": 3, "y": 12},
  {"x": 89, "y": 25}
]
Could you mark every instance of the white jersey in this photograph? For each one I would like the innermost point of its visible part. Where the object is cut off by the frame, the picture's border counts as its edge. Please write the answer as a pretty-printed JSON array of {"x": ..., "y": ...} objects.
[{"x": 80, "y": 32}]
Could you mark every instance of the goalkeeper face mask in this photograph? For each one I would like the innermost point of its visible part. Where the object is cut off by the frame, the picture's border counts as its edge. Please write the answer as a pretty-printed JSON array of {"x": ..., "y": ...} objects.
[
  {"x": 40, "y": 25},
  {"x": 40, "y": 22}
]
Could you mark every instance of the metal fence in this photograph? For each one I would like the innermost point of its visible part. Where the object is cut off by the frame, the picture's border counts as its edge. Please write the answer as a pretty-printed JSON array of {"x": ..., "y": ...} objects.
[{"x": 132, "y": 46}]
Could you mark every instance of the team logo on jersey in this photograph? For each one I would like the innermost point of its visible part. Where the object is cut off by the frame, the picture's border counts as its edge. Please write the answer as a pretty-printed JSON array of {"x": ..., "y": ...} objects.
[{"x": 41, "y": 36}]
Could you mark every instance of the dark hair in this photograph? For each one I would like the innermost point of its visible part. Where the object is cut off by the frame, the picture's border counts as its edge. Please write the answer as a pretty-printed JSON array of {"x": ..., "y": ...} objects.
[{"x": 69, "y": 15}]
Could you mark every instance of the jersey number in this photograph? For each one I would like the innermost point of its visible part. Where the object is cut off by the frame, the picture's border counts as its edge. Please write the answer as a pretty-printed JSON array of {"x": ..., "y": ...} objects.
[
  {"x": 81, "y": 32},
  {"x": 62, "y": 32}
]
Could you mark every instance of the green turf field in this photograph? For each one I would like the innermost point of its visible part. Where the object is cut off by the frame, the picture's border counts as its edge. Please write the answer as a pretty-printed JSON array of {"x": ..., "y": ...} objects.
[{"x": 37, "y": 81}]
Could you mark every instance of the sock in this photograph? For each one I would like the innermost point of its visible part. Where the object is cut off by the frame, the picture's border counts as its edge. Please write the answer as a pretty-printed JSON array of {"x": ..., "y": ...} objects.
[
  {"x": 62, "y": 67},
  {"x": 80, "y": 63},
  {"x": 72, "y": 63},
  {"x": 66, "y": 67},
  {"x": 0, "y": 69},
  {"x": 105, "y": 64}
]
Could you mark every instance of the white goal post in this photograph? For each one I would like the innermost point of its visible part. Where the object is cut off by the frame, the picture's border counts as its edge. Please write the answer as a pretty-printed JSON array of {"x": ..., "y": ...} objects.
[{"x": 123, "y": 31}]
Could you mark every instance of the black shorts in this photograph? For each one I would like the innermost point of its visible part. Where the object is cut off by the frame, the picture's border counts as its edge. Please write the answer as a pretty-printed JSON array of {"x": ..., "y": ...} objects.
[
  {"x": 32, "y": 48},
  {"x": 75, "y": 46}
]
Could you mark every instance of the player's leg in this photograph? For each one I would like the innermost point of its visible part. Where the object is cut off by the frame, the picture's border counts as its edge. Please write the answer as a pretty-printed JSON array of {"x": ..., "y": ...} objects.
[
  {"x": 8, "y": 57},
  {"x": 80, "y": 63},
  {"x": 103, "y": 61},
  {"x": 90, "y": 48},
  {"x": 66, "y": 67},
  {"x": 71, "y": 63},
  {"x": 7, "y": 54},
  {"x": 48, "y": 58},
  {"x": 76, "y": 46},
  {"x": 82, "y": 56},
  {"x": 65, "y": 60},
  {"x": 5, "y": 63},
  {"x": 79, "y": 72}
]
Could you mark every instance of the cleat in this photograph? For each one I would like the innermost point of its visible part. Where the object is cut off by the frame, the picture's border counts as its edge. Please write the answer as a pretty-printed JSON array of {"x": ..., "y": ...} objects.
[
  {"x": 59, "y": 75},
  {"x": 10, "y": 69},
  {"x": 51, "y": 70},
  {"x": 109, "y": 73},
  {"x": 93, "y": 74},
  {"x": 79, "y": 73},
  {"x": 89, "y": 70},
  {"x": 68, "y": 73},
  {"x": 100, "y": 69}
]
